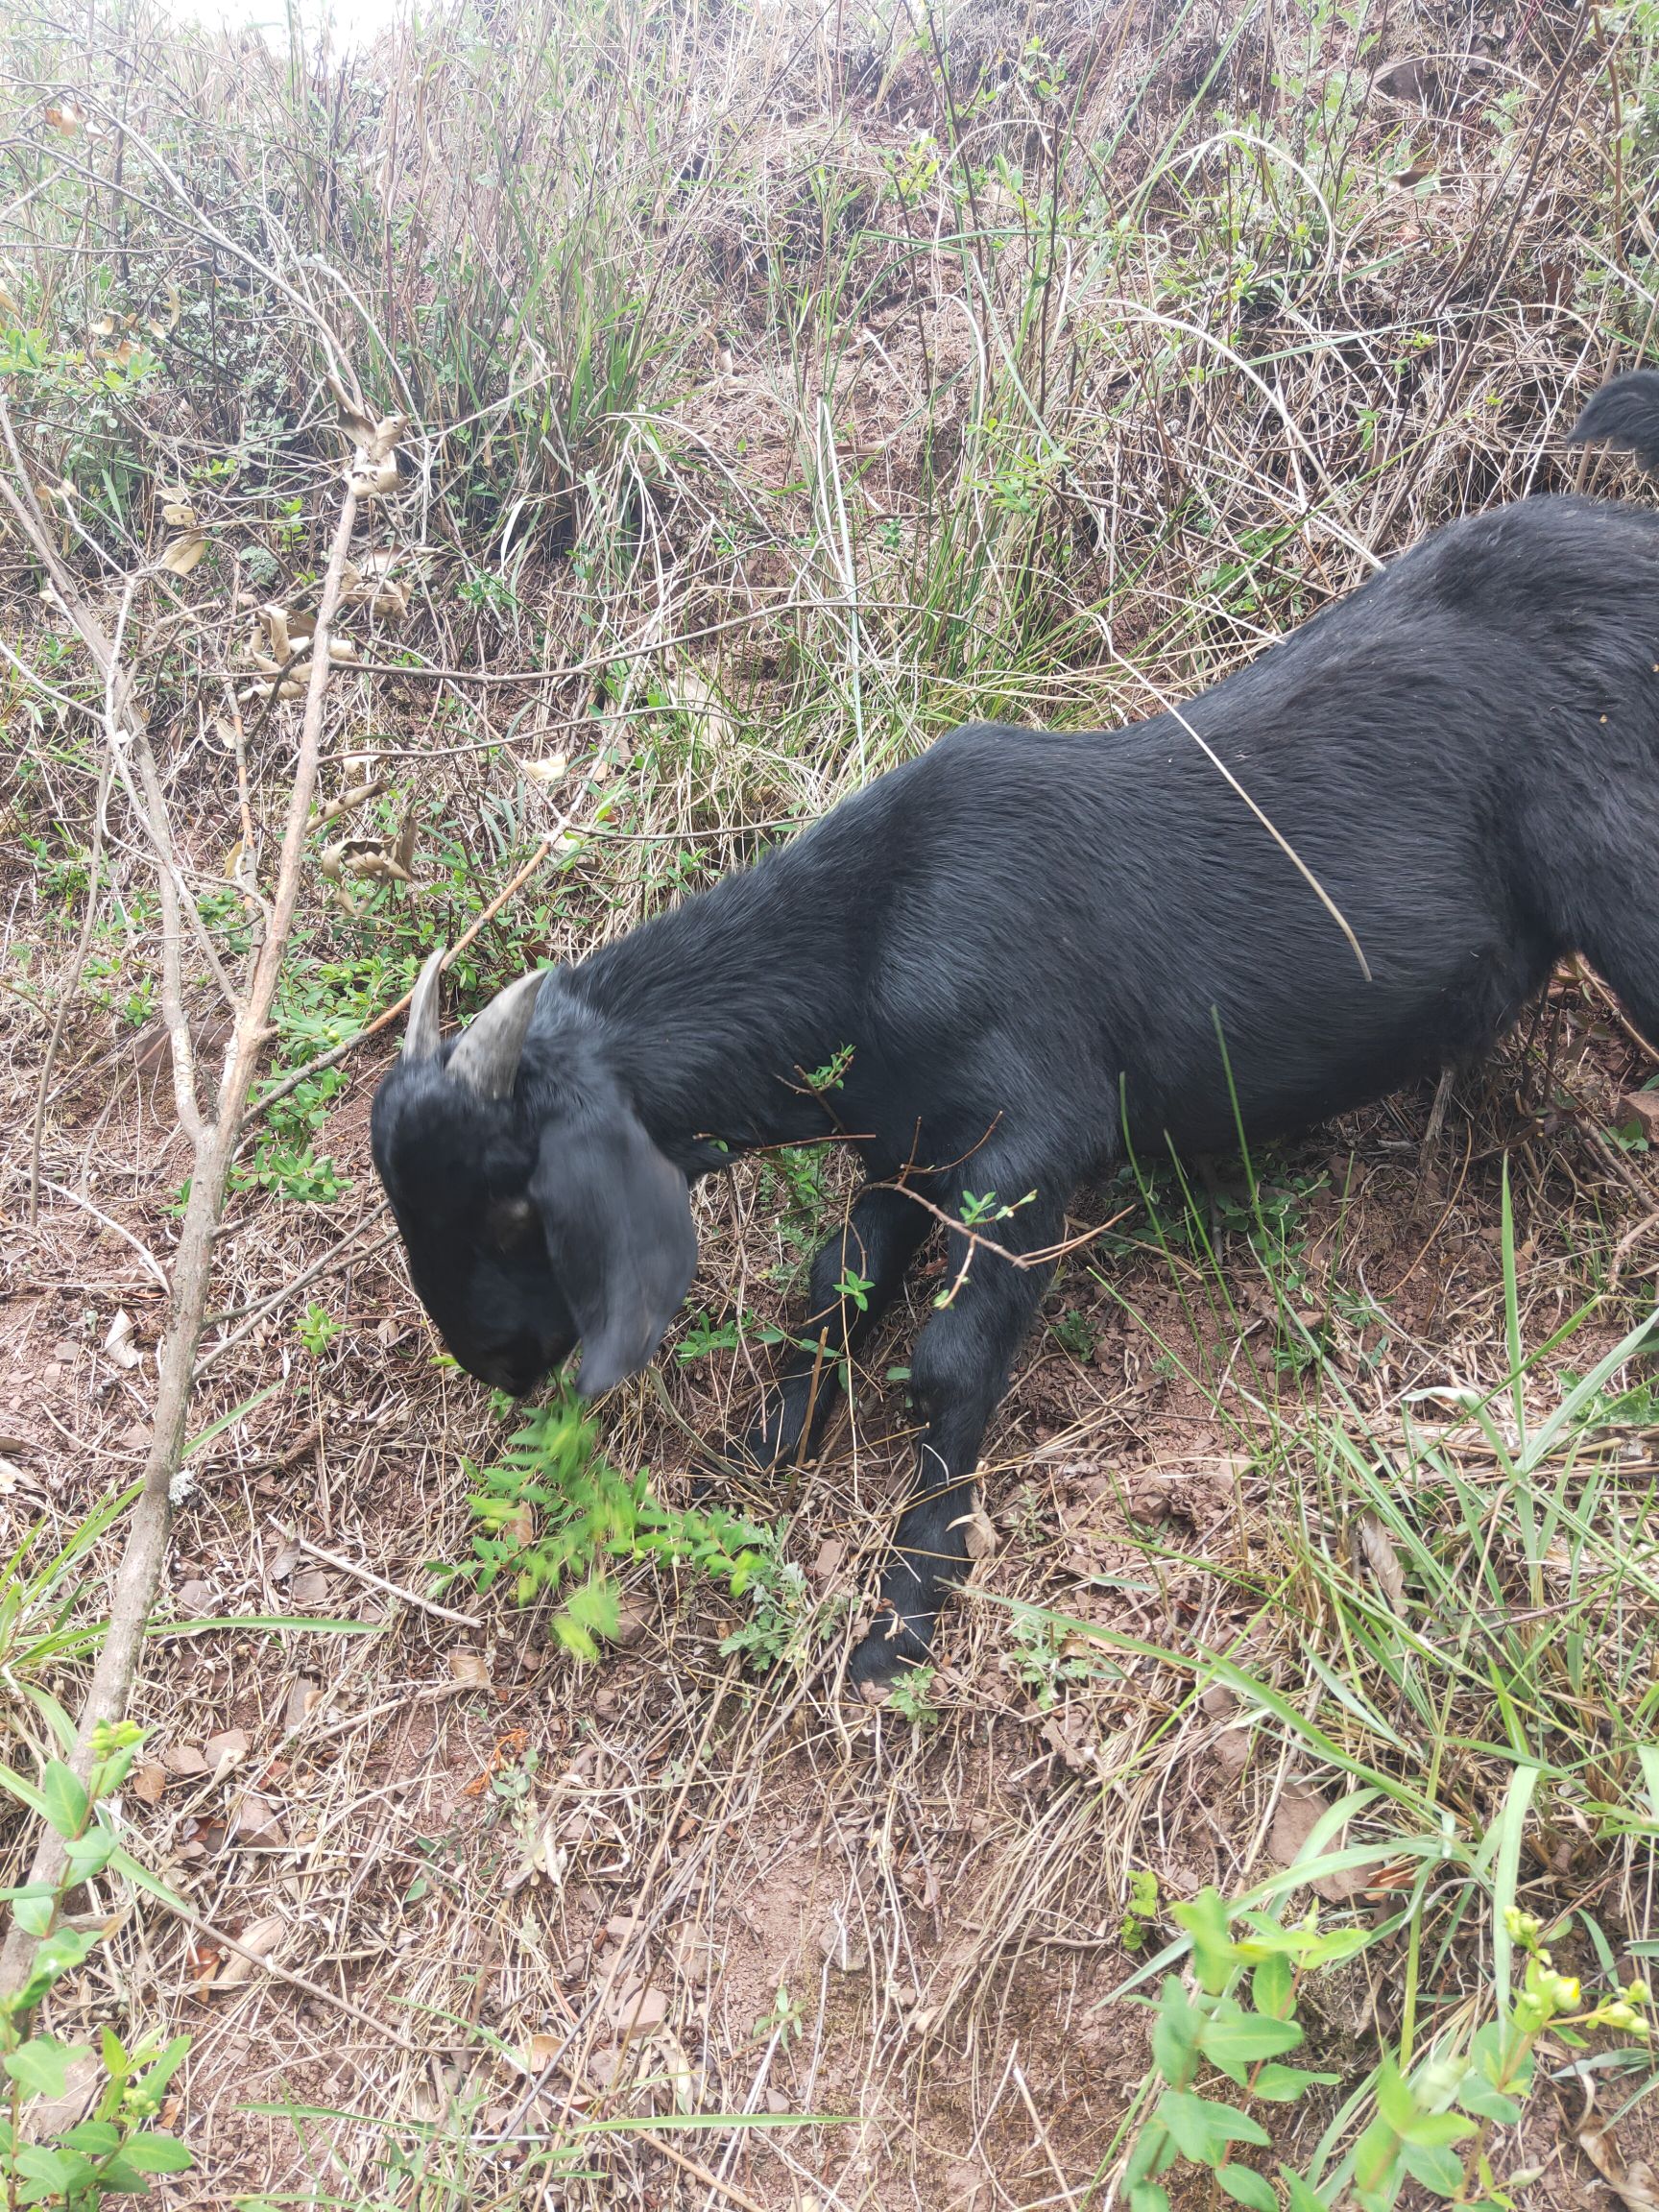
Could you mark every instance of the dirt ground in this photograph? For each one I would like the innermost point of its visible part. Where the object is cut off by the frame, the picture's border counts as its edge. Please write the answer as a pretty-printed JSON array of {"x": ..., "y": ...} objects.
[
  {"x": 504, "y": 1890},
  {"x": 519, "y": 1915}
]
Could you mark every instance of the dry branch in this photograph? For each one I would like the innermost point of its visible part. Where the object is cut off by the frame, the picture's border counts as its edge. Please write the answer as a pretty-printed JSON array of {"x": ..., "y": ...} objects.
[{"x": 213, "y": 1138}]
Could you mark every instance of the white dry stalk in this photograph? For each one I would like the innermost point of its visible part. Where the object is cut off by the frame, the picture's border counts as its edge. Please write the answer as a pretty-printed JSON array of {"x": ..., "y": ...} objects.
[{"x": 213, "y": 1146}]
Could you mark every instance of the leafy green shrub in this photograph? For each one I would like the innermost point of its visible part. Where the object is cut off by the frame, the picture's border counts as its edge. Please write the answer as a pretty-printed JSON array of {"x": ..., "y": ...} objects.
[
  {"x": 554, "y": 1513},
  {"x": 114, "y": 2150},
  {"x": 1435, "y": 2124}
]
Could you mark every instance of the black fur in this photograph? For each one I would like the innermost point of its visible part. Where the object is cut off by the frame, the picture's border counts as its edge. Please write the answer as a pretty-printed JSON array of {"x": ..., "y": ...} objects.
[{"x": 1027, "y": 937}]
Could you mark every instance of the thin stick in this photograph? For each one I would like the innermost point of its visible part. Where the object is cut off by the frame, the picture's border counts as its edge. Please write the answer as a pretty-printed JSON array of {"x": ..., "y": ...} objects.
[
  {"x": 73, "y": 1197},
  {"x": 369, "y": 1576},
  {"x": 67, "y": 994},
  {"x": 213, "y": 1146},
  {"x": 332, "y": 1059},
  {"x": 182, "y": 1912},
  {"x": 700, "y": 2173}
]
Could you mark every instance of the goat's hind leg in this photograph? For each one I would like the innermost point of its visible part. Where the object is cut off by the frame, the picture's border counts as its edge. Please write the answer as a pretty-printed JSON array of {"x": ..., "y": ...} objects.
[{"x": 856, "y": 1276}]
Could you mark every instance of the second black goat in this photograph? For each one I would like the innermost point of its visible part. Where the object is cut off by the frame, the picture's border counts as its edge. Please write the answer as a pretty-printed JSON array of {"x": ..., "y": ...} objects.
[{"x": 1025, "y": 944}]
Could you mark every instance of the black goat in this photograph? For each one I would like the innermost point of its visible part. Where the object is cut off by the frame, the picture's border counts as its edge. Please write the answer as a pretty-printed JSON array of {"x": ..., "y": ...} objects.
[{"x": 1033, "y": 942}]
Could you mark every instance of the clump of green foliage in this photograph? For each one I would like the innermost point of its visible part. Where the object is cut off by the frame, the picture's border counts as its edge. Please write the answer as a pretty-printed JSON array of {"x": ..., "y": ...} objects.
[
  {"x": 1437, "y": 2124},
  {"x": 114, "y": 2150},
  {"x": 555, "y": 1517}
]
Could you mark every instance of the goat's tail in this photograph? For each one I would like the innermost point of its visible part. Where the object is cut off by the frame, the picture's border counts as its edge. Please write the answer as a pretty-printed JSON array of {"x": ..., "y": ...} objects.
[{"x": 1624, "y": 413}]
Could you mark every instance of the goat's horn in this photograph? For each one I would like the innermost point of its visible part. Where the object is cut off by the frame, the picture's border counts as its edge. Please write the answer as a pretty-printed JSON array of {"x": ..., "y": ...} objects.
[
  {"x": 487, "y": 1058},
  {"x": 421, "y": 1037}
]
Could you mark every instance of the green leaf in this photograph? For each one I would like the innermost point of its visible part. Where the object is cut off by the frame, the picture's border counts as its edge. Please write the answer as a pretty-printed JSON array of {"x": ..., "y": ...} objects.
[
  {"x": 95, "y": 2138},
  {"x": 1476, "y": 2095},
  {"x": 1245, "y": 2186},
  {"x": 1273, "y": 1986},
  {"x": 113, "y": 2053},
  {"x": 159, "y": 2154},
  {"x": 66, "y": 1948},
  {"x": 1279, "y": 2085},
  {"x": 65, "y": 1797},
  {"x": 1148, "y": 2197},
  {"x": 1376, "y": 2155},
  {"x": 1205, "y": 1921},
  {"x": 1202, "y": 2128},
  {"x": 33, "y": 1912},
  {"x": 1153, "y": 2152},
  {"x": 1175, "y": 2034},
  {"x": 1394, "y": 2102},
  {"x": 40, "y": 2067},
  {"x": 89, "y": 1854},
  {"x": 63, "y": 2171},
  {"x": 1299, "y": 2197},
  {"x": 1238, "y": 2043},
  {"x": 1435, "y": 2166},
  {"x": 1436, "y": 2129},
  {"x": 166, "y": 2064}
]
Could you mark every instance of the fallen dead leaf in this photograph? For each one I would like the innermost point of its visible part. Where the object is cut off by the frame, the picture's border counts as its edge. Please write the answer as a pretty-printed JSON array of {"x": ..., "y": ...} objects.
[
  {"x": 631, "y": 1622},
  {"x": 469, "y": 1666},
  {"x": 303, "y": 1696},
  {"x": 225, "y": 1750},
  {"x": 638, "y": 2006},
  {"x": 258, "y": 1823},
  {"x": 184, "y": 1758},
  {"x": 827, "y": 1563},
  {"x": 1297, "y": 1815},
  {"x": 264, "y": 1937},
  {"x": 370, "y": 479},
  {"x": 150, "y": 1781},
  {"x": 310, "y": 1588},
  {"x": 979, "y": 1534},
  {"x": 118, "y": 1344},
  {"x": 181, "y": 554},
  {"x": 1232, "y": 1745},
  {"x": 1636, "y": 2186},
  {"x": 1374, "y": 1548}
]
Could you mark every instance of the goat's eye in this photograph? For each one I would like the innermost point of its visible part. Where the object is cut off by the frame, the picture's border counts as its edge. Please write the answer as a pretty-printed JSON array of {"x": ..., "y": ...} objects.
[{"x": 512, "y": 1221}]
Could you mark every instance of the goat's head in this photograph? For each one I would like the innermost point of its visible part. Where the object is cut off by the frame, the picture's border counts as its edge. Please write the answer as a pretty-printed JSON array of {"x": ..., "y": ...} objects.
[{"x": 534, "y": 1208}]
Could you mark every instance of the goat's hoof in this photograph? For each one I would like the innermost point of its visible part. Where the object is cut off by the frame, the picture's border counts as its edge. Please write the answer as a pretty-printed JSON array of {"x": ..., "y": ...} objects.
[{"x": 895, "y": 1644}]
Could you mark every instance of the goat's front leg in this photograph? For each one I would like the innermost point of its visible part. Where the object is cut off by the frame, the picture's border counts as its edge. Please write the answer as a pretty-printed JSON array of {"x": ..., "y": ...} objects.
[
  {"x": 958, "y": 1372},
  {"x": 855, "y": 1276}
]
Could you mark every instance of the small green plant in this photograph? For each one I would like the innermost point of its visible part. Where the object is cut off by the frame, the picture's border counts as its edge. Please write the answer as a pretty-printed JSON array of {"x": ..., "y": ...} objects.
[
  {"x": 1042, "y": 1659},
  {"x": 316, "y": 1329},
  {"x": 785, "y": 2022},
  {"x": 554, "y": 1515},
  {"x": 114, "y": 2150},
  {"x": 1076, "y": 1334},
  {"x": 1434, "y": 2125},
  {"x": 911, "y": 1697},
  {"x": 1142, "y": 1908}
]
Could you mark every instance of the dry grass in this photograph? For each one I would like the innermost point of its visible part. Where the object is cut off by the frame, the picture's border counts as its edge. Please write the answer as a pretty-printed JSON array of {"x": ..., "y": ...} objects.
[{"x": 787, "y": 386}]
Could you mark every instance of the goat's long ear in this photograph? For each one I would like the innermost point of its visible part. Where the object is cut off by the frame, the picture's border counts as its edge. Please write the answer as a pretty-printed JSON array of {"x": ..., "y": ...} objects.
[{"x": 618, "y": 1218}]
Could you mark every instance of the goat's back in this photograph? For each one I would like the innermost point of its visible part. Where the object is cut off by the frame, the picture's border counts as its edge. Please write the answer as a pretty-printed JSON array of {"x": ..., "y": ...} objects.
[{"x": 1451, "y": 756}]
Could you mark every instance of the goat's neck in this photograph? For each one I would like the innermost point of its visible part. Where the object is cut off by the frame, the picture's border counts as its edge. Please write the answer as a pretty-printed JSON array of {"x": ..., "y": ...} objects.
[{"x": 714, "y": 1019}]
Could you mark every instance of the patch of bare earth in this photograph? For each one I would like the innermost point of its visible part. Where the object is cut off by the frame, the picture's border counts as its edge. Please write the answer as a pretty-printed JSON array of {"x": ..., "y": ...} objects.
[{"x": 502, "y": 1895}]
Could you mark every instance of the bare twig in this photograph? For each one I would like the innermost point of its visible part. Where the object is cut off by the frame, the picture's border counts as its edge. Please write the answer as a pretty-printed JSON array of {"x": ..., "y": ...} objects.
[
  {"x": 214, "y": 1144},
  {"x": 67, "y": 992},
  {"x": 333, "y": 1057},
  {"x": 375, "y": 1581}
]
